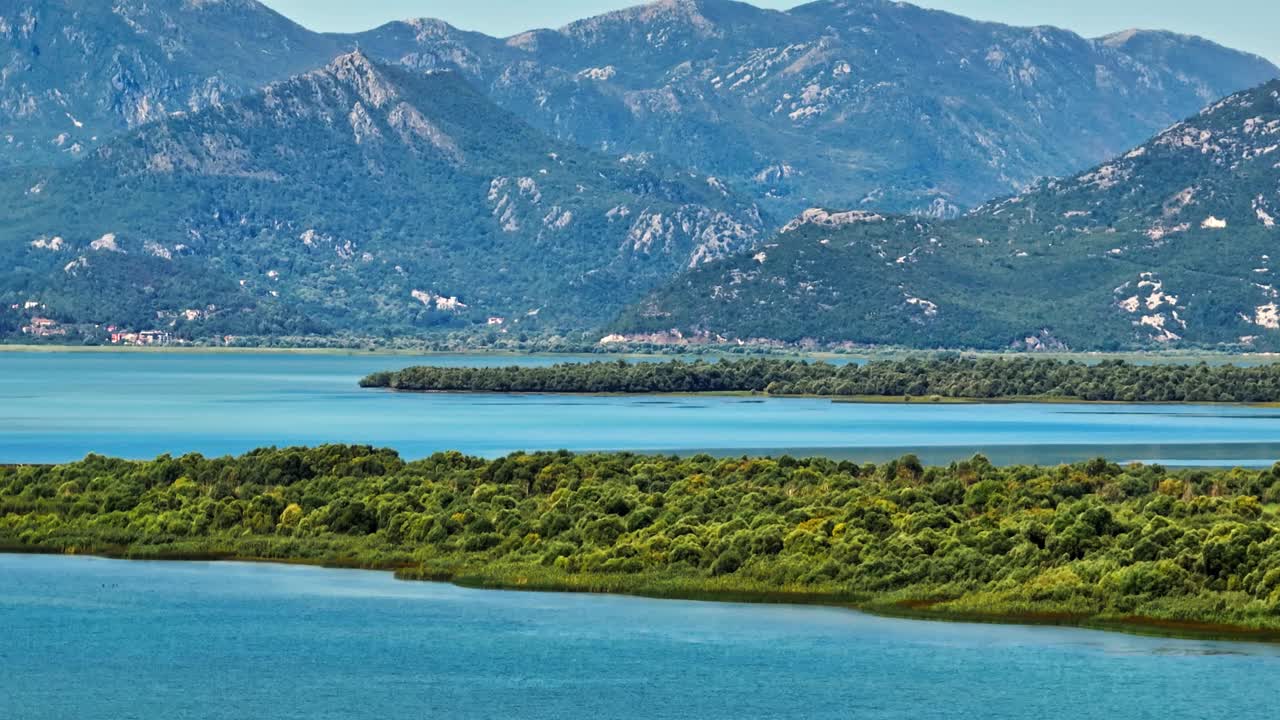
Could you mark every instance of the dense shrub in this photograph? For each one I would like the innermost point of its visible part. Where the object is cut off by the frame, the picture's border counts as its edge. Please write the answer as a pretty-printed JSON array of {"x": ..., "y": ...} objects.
[
  {"x": 1088, "y": 539},
  {"x": 945, "y": 376}
]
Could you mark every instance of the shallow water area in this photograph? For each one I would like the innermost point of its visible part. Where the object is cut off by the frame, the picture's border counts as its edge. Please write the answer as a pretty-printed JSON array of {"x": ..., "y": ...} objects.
[
  {"x": 58, "y": 407},
  {"x": 235, "y": 640}
]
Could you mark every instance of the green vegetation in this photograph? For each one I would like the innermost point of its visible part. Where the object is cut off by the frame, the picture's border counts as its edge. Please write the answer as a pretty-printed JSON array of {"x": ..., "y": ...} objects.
[
  {"x": 940, "y": 377},
  {"x": 1092, "y": 543}
]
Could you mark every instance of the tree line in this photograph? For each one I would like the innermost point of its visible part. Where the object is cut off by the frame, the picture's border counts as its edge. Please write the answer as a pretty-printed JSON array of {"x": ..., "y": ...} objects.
[
  {"x": 944, "y": 377},
  {"x": 1085, "y": 541}
]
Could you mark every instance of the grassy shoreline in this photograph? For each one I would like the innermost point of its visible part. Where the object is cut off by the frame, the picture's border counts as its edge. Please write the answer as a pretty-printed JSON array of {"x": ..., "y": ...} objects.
[{"x": 667, "y": 589}]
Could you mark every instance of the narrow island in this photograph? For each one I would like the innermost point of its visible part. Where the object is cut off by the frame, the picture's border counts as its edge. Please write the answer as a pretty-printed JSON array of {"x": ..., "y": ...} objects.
[
  {"x": 1135, "y": 548},
  {"x": 934, "y": 379}
]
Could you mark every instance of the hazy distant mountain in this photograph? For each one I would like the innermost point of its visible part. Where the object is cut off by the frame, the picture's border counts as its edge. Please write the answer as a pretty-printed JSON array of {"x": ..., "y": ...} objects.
[
  {"x": 880, "y": 104},
  {"x": 1174, "y": 242},
  {"x": 74, "y": 73},
  {"x": 358, "y": 198}
]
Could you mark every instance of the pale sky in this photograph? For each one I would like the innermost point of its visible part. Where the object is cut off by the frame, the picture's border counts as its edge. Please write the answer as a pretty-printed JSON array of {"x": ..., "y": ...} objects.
[{"x": 1243, "y": 24}]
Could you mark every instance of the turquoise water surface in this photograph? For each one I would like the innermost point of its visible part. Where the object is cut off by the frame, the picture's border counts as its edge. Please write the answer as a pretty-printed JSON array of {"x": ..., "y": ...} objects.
[
  {"x": 98, "y": 639},
  {"x": 56, "y": 407},
  {"x": 91, "y": 639}
]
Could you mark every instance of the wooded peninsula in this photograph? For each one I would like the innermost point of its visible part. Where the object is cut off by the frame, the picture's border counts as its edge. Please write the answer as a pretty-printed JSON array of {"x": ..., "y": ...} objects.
[
  {"x": 952, "y": 376},
  {"x": 1134, "y": 547}
]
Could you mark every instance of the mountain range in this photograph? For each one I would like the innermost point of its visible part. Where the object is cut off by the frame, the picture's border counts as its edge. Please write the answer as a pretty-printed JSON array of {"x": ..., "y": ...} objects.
[
  {"x": 883, "y": 104},
  {"x": 1172, "y": 242},
  {"x": 209, "y": 168}
]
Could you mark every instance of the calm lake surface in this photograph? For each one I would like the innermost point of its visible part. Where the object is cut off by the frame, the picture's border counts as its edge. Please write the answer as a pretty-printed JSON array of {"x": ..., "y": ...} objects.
[
  {"x": 87, "y": 638},
  {"x": 57, "y": 407}
]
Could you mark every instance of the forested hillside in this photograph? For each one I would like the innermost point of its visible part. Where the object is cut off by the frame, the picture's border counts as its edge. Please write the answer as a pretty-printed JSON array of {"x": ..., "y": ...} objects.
[
  {"x": 360, "y": 199},
  {"x": 1169, "y": 244}
]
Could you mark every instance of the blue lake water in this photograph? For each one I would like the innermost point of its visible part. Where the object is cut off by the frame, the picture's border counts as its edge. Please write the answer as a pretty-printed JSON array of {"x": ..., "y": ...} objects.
[
  {"x": 98, "y": 639},
  {"x": 56, "y": 407}
]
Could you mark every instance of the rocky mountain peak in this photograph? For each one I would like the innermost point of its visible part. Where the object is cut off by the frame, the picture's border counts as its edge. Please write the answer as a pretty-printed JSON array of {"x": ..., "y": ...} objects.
[
  {"x": 364, "y": 76},
  {"x": 196, "y": 5},
  {"x": 1132, "y": 37},
  {"x": 1121, "y": 38},
  {"x": 658, "y": 11},
  {"x": 169, "y": 19},
  {"x": 819, "y": 6},
  {"x": 426, "y": 28},
  {"x": 661, "y": 23}
]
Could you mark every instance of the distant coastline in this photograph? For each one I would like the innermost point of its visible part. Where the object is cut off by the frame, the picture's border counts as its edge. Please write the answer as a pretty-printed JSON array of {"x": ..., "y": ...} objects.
[
  {"x": 236, "y": 350},
  {"x": 1173, "y": 357},
  {"x": 345, "y": 352}
]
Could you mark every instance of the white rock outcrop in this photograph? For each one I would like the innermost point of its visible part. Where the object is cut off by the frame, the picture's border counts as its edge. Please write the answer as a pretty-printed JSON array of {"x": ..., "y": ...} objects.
[
  {"x": 825, "y": 218},
  {"x": 106, "y": 243}
]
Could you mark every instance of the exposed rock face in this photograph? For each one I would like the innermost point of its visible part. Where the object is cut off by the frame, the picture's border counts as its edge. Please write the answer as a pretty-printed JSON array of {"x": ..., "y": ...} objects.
[
  {"x": 1169, "y": 244},
  {"x": 825, "y": 218},
  {"x": 106, "y": 243}
]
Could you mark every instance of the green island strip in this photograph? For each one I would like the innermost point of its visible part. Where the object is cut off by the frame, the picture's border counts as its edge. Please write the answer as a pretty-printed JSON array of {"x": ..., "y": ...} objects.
[
  {"x": 1135, "y": 548},
  {"x": 937, "y": 379}
]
